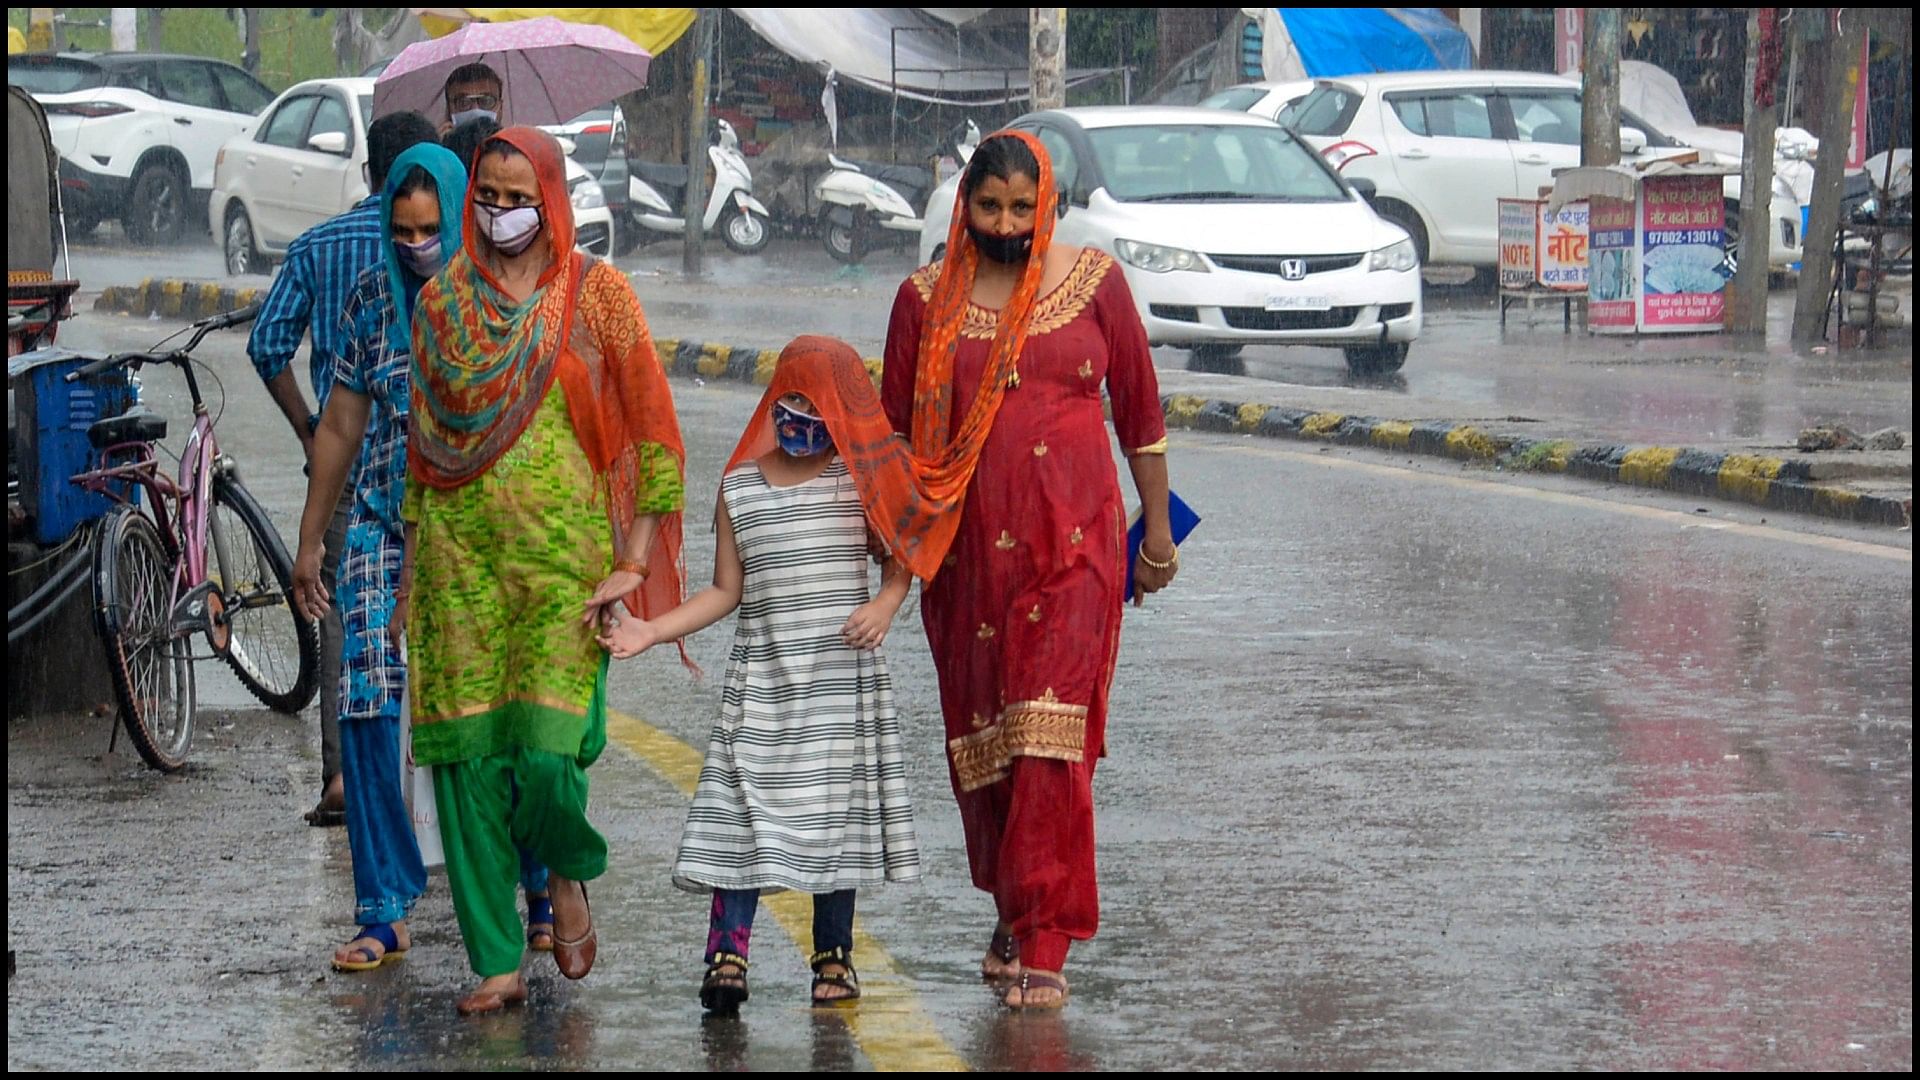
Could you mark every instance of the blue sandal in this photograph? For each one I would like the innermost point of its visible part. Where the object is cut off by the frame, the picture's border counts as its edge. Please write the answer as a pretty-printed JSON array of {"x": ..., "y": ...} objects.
[
  {"x": 380, "y": 934},
  {"x": 540, "y": 923}
]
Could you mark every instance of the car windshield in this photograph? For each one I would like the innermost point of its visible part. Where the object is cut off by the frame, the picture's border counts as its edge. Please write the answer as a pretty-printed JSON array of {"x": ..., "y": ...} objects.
[
  {"x": 53, "y": 75},
  {"x": 1211, "y": 163},
  {"x": 1326, "y": 111},
  {"x": 1235, "y": 99}
]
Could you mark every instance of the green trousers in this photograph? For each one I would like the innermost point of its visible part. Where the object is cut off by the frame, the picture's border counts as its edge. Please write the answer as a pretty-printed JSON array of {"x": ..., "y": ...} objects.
[{"x": 489, "y": 808}]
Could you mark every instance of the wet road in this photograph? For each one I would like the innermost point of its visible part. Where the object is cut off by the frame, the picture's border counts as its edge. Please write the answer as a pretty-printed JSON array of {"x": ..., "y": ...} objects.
[
  {"x": 1415, "y": 767},
  {"x": 1683, "y": 390}
]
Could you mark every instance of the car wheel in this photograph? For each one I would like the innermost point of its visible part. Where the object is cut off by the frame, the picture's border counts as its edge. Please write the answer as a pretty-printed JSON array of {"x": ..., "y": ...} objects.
[
  {"x": 243, "y": 253},
  {"x": 157, "y": 209},
  {"x": 1376, "y": 359},
  {"x": 1405, "y": 217},
  {"x": 1217, "y": 359},
  {"x": 744, "y": 232}
]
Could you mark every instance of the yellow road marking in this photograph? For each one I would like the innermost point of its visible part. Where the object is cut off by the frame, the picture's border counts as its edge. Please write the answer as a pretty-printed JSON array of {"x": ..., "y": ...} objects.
[
  {"x": 1651, "y": 513},
  {"x": 888, "y": 1022}
]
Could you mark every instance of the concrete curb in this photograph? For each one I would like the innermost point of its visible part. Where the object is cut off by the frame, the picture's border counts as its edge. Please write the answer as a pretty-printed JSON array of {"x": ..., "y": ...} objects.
[
  {"x": 175, "y": 299},
  {"x": 1773, "y": 483}
]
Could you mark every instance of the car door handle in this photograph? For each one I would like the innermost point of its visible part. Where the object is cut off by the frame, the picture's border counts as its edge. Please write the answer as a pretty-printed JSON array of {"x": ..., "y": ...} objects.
[
  {"x": 1533, "y": 159},
  {"x": 299, "y": 170},
  {"x": 1415, "y": 155},
  {"x": 183, "y": 121}
]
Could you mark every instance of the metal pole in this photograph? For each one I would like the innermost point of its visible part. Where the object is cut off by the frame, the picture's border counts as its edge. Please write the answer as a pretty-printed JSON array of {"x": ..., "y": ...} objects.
[{"x": 696, "y": 206}]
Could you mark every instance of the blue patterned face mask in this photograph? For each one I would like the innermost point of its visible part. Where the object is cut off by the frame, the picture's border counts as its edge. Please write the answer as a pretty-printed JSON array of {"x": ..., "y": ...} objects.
[{"x": 799, "y": 434}]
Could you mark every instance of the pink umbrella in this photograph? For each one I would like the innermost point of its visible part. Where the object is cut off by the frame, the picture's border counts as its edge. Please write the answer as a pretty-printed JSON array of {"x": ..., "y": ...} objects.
[{"x": 551, "y": 71}]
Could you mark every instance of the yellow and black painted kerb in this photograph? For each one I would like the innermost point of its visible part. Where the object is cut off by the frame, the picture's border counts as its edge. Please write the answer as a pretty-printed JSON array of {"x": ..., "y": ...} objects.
[{"x": 1774, "y": 483}]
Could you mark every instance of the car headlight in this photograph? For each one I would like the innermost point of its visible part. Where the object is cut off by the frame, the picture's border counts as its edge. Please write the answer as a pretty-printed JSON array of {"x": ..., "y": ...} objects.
[
  {"x": 588, "y": 196},
  {"x": 1400, "y": 256},
  {"x": 1157, "y": 259}
]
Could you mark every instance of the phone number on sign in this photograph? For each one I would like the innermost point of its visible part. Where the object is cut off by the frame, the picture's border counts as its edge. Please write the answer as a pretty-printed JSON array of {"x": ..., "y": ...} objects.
[{"x": 1684, "y": 236}]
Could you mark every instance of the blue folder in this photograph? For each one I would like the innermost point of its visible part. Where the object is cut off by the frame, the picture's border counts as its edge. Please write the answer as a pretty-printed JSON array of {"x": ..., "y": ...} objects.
[{"x": 1179, "y": 515}]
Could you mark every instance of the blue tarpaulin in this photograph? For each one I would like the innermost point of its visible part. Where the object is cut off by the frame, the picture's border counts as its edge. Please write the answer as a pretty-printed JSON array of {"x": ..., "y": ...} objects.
[{"x": 1348, "y": 41}]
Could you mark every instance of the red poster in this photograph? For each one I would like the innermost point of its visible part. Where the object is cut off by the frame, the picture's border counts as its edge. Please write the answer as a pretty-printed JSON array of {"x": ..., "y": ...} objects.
[{"x": 1857, "y": 144}]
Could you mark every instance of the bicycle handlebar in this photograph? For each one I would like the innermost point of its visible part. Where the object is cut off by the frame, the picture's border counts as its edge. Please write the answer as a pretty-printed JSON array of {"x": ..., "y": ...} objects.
[{"x": 201, "y": 329}]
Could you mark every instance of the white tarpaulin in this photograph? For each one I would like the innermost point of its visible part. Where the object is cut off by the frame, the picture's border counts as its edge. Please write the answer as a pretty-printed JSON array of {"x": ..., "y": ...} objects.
[{"x": 930, "y": 58}]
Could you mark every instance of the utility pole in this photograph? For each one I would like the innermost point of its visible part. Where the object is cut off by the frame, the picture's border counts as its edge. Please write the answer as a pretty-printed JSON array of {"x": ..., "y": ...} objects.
[
  {"x": 1842, "y": 46},
  {"x": 1748, "y": 310},
  {"x": 1047, "y": 56},
  {"x": 1600, "y": 93},
  {"x": 696, "y": 208}
]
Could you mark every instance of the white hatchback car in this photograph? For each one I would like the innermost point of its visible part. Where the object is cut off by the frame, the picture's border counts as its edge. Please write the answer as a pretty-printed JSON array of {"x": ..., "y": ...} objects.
[
  {"x": 1231, "y": 232},
  {"x": 1443, "y": 146},
  {"x": 306, "y": 162},
  {"x": 137, "y": 133}
]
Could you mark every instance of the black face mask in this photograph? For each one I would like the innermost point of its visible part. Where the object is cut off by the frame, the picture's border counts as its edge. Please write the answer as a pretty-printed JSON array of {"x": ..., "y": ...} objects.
[{"x": 1001, "y": 249}]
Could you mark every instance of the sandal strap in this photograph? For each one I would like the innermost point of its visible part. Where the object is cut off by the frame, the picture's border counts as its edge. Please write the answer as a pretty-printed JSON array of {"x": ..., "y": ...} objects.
[
  {"x": 378, "y": 932},
  {"x": 1004, "y": 946},
  {"x": 1031, "y": 979},
  {"x": 839, "y": 954},
  {"x": 722, "y": 959}
]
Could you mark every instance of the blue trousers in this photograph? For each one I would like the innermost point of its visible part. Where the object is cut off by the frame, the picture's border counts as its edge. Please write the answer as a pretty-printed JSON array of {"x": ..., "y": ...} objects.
[{"x": 731, "y": 927}]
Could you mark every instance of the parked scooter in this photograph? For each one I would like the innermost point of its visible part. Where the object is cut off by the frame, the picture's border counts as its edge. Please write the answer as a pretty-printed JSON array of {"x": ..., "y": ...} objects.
[
  {"x": 657, "y": 192},
  {"x": 867, "y": 203}
]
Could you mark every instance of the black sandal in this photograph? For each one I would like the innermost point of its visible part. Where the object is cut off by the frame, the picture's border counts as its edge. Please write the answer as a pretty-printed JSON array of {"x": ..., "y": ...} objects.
[
  {"x": 724, "y": 992},
  {"x": 850, "y": 981}
]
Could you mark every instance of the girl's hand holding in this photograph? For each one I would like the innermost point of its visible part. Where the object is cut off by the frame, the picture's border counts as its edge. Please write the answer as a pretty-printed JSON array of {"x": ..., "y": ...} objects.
[
  {"x": 617, "y": 585},
  {"x": 625, "y": 637},
  {"x": 867, "y": 627}
]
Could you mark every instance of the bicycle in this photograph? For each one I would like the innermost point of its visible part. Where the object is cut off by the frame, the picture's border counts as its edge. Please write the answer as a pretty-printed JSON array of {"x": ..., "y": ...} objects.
[{"x": 200, "y": 561}]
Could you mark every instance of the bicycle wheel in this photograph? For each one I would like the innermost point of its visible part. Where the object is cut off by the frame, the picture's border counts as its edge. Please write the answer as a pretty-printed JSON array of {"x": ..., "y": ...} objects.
[
  {"x": 275, "y": 650},
  {"x": 152, "y": 669}
]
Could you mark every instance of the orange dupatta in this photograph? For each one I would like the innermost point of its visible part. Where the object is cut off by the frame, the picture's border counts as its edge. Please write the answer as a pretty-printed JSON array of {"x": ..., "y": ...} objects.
[
  {"x": 831, "y": 375},
  {"x": 946, "y": 457}
]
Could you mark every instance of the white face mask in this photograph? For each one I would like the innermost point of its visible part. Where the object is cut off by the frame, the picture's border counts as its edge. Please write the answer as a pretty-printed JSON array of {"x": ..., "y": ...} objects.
[
  {"x": 465, "y": 115},
  {"x": 511, "y": 230},
  {"x": 424, "y": 259}
]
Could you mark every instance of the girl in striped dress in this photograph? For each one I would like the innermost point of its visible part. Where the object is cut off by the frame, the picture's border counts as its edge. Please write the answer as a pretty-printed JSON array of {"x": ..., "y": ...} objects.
[{"x": 804, "y": 786}]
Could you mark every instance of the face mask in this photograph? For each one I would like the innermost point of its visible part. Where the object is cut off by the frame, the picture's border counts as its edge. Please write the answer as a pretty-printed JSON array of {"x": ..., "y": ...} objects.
[
  {"x": 512, "y": 230},
  {"x": 424, "y": 258},
  {"x": 799, "y": 434},
  {"x": 465, "y": 115},
  {"x": 1001, "y": 249}
]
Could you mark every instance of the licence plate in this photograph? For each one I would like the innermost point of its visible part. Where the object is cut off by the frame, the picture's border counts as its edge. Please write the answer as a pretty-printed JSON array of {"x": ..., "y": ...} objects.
[{"x": 1299, "y": 303}]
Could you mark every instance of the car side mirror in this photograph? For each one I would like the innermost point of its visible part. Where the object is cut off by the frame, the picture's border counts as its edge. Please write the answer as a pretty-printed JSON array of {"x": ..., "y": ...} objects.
[
  {"x": 329, "y": 142},
  {"x": 1364, "y": 187},
  {"x": 1632, "y": 140}
]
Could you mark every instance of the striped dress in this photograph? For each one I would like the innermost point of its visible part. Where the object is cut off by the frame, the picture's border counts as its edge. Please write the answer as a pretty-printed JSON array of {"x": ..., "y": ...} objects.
[{"x": 804, "y": 786}]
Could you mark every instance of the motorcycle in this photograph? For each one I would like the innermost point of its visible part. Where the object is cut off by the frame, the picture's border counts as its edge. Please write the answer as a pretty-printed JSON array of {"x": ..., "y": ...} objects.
[
  {"x": 656, "y": 193},
  {"x": 862, "y": 202}
]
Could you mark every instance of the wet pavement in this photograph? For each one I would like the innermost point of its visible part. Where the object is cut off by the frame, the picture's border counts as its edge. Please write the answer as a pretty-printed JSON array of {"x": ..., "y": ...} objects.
[{"x": 1413, "y": 768}]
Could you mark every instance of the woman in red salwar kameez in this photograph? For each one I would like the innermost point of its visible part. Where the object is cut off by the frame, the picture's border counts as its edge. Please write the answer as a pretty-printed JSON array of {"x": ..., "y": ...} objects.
[{"x": 994, "y": 364}]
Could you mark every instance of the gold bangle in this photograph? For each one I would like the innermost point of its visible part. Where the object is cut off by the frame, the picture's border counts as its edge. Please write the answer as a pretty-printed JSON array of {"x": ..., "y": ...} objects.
[
  {"x": 1172, "y": 561},
  {"x": 628, "y": 566}
]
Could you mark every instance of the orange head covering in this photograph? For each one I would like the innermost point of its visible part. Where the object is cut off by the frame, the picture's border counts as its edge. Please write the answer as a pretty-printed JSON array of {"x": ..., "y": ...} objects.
[
  {"x": 947, "y": 453},
  {"x": 831, "y": 375}
]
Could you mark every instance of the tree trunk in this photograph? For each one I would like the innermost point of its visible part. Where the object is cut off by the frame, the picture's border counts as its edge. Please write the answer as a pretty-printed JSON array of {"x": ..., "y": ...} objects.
[
  {"x": 1817, "y": 268},
  {"x": 1749, "y": 297},
  {"x": 1047, "y": 56},
  {"x": 1600, "y": 97}
]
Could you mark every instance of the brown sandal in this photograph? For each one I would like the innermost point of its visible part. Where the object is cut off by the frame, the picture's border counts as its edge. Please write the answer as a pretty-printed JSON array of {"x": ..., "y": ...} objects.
[
  {"x": 1034, "y": 980},
  {"x": 575, "y": 958},
  {"x": 1005, "y": 948}
]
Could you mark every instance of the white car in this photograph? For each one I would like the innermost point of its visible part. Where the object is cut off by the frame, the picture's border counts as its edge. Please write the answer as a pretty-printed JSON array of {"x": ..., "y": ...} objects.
[
  {"x": 306, "y": 162},
  {"x": 1264, "y": 99},
  {"x": 137, "y": 133},
  {"x": 1442, "y": 146},
  {"x": 1230, "y": 229}
]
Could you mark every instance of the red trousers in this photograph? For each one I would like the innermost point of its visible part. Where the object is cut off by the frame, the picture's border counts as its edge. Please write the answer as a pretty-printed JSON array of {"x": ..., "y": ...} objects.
[{"x": 1030, "y": 844}]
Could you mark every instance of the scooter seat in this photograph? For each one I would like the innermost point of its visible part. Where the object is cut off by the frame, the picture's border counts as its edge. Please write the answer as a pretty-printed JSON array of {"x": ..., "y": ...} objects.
[
  {"x": 911, "y": 181},
  {"x": 138, "y": 424},
  {"x": 674, "y": 176}
]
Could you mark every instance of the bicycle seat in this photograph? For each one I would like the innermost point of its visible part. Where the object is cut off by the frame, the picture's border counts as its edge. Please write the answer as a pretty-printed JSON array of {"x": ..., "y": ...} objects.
[{"x": 138, "y": 424}]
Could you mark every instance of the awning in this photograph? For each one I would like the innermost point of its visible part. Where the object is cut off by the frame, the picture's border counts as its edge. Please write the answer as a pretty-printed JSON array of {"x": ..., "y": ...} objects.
[
  {"x": 930, "y": 58},
  {"x": 1323, "y": 43}
]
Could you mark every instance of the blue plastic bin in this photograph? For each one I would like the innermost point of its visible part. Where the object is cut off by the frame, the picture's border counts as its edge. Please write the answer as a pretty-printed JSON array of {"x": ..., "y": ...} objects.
[{"x": 57, "y": 414}]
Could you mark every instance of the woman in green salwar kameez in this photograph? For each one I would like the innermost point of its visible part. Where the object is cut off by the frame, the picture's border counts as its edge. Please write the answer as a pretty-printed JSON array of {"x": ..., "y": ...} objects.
[{"x": 546, "y": 474}]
